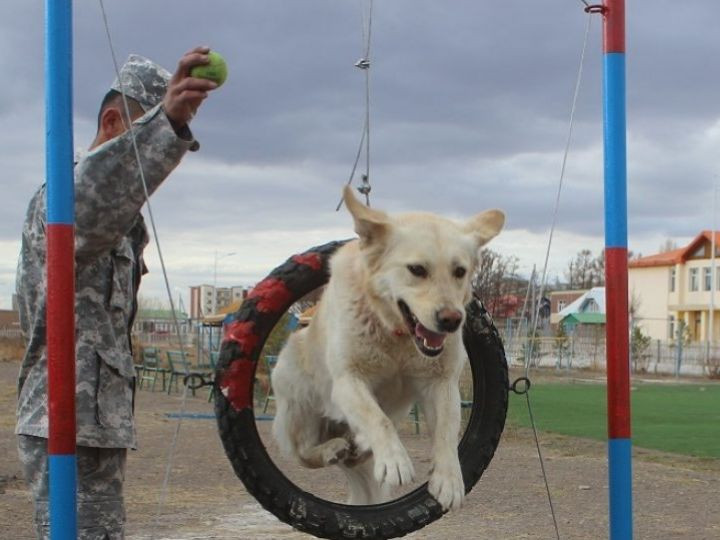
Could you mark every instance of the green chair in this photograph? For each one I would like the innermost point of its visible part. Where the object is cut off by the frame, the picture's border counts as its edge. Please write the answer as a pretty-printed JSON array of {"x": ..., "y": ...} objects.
[
  {"x": 270, "y": 362},
  {"x": 151, "y": 368},
  {"x": 214, "y": 355},
  {"x": 415, "y": 413},
  {"x": 180, "y": 367}
]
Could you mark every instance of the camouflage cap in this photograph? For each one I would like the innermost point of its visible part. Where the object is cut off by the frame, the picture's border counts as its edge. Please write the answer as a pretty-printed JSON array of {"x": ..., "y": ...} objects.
[
  {"x": 146, "y": 82},
  {"x": 142, "y": 80}
]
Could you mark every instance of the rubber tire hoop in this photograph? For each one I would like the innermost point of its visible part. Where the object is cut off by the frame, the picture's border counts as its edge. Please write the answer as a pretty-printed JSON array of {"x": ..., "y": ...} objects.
[{"x": 244, "y": 337}]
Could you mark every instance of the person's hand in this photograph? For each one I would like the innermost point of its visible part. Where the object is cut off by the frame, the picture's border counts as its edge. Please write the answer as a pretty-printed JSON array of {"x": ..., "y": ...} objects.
[{"x": 185, "y": 93}]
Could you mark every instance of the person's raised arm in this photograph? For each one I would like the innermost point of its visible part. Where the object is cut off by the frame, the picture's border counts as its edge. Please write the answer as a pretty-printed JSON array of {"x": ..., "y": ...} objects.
[{"x": 108, "y": 187}]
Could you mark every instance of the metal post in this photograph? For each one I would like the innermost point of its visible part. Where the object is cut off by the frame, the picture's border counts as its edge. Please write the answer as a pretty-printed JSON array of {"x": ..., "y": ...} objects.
[
  {"x": 679, "y": 350},
  {"x": 62, "y": 462},
  {"x": 616, "y": 282},
  {"x": 711, "y": 321}
]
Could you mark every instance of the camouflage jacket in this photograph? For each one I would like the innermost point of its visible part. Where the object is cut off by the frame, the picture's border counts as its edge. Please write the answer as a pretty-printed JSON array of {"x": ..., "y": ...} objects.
[{"x": 109, "y": 239}]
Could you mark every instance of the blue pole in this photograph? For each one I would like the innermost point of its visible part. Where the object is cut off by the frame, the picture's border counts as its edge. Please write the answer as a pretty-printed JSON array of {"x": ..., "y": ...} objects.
[
  {"x": 616, "y": 279},
  {"x": 62, "y": 462}
]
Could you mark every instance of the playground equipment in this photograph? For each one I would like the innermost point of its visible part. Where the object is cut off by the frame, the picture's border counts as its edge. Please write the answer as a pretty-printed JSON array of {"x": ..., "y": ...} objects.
[{"x": 239, "y": 353}]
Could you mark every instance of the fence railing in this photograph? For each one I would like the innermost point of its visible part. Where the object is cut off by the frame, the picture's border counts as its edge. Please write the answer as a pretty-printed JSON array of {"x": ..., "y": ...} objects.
[
  {"x": 10, "y": 333},
  {"x": 588, "y": 352},
  {"x": 569, "y": 352},
  {"x": 170, "y": 338}
]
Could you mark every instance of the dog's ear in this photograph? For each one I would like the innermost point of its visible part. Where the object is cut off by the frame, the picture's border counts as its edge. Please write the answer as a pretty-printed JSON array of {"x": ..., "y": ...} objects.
[
  {"x": 485, "y": 226},
  {"x": 371, "y": 225}
]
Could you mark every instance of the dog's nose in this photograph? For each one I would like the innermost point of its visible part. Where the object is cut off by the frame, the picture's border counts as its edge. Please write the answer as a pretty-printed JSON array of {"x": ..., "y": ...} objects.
[{"x": 448, "y": 320}]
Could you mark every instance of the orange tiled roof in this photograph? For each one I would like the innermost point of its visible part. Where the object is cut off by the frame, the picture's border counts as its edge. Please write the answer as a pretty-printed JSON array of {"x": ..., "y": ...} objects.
[{"x": 670, "y": 258}]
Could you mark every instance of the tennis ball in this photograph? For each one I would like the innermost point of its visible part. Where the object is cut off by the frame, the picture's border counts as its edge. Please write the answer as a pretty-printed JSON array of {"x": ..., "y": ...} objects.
[{"x": 216, "y": 70}]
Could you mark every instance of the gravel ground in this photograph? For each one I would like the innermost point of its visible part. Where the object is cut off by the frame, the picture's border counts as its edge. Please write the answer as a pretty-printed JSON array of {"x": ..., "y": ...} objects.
[{"x": 675, "y": 497}]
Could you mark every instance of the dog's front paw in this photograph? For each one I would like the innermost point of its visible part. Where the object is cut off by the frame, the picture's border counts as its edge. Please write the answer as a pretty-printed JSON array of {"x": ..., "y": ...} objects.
[
  {"x": 392, "y": 464},
  {"x": 446, "y": 484}
]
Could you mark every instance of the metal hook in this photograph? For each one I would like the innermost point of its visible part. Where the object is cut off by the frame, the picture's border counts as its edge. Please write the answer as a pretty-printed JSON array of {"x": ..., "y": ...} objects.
[{"x": 596, "y": 8}]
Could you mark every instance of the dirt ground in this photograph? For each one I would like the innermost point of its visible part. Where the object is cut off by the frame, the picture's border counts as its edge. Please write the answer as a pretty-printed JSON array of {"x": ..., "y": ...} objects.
[{"x": 675, "y": 497}]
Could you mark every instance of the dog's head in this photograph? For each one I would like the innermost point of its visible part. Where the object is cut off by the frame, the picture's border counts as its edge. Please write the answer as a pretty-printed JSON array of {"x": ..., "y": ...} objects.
[{"x": 420, "y": 265}]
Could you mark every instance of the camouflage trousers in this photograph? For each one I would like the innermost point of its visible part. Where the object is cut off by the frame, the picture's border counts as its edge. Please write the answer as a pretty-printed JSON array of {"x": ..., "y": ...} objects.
[{"x": 100, "y": 477}]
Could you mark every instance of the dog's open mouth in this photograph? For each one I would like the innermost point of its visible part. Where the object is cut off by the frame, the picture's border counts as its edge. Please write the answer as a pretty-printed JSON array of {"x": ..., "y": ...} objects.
[{"x": 428, "y": 342}]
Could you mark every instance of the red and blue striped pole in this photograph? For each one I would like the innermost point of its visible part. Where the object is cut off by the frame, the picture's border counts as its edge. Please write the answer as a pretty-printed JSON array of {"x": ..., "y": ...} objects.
[
  {"x": 60, "y": 270},
  {"x": 616, "y": 279}
]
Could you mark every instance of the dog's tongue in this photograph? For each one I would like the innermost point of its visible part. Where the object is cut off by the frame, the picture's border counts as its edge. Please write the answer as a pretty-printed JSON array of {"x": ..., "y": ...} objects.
[{"x": 433, "y": 339}]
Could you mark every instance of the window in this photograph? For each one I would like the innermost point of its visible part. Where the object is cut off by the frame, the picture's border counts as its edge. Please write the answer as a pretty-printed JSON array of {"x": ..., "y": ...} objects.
[
  {"x": 707, "y": 279},
  {"x": 671, "y": 327},
  {"x": 672, "y": 280},
  {"x": 694, "y": 279},
  {"x": 561, "y": 305},
  {"x": 590, "y": 306}
]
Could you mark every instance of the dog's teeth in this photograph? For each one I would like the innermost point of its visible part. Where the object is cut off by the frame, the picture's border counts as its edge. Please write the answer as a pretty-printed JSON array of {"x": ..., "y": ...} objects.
[{"x": 429, "y": 347}]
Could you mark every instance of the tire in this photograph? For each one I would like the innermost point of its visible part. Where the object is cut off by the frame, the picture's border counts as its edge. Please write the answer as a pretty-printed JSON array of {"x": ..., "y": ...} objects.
[{"x": 243, "y": 340}]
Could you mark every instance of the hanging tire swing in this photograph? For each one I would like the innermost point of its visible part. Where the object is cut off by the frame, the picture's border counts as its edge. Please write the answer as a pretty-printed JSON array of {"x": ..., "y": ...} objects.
[{"x": 243, "y": 341}]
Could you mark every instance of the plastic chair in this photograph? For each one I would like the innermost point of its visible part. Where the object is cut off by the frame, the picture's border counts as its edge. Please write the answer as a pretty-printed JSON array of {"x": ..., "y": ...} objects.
[
  {"x": 150, "y": 368},
  {"x": 214, "y": 355},
  {"x": 179, "y": 368},
  {"x": 415, "y": 413},
  {"x": 270, "y": 362}
]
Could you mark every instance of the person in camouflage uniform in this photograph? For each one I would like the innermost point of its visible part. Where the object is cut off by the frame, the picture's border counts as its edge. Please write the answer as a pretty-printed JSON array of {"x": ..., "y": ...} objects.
[{"x": 110, "y": 236}]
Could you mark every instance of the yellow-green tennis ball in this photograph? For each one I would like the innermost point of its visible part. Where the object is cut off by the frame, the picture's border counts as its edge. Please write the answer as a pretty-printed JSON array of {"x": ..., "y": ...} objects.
[{"x": 216, "y": 70}]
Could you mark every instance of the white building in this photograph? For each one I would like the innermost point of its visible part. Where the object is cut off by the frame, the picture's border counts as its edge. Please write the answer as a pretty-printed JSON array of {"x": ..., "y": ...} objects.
[
  {"x": 206, "y": 300},
  {"x": 677, "y": 286}
]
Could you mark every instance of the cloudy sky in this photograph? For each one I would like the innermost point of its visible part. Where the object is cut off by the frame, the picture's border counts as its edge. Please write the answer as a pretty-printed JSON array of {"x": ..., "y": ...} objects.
[{"x": 470, "y": 109}]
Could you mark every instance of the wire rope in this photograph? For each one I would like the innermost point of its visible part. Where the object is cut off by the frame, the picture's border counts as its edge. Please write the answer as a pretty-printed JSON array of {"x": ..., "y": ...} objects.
[
  {"x": 173, "y": 445},
  {"x": 532, "y": 336}
]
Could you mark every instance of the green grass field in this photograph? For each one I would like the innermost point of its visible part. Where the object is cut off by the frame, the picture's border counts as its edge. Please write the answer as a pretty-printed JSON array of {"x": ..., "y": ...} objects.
[{"x": 683, "y": 419}]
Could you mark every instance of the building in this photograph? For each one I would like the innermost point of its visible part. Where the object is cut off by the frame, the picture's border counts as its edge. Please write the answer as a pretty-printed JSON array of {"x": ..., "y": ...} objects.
[
  {"x": 208, "y": 300},
  {"x": 160, "y": 321},
  {"x": 559, "y": 300},
  {"x": 675, "y": 286},
  {"x": 507, "y": 306},
  {"x": 586, "y": 314},
  {"x": 201, "y": 301}
]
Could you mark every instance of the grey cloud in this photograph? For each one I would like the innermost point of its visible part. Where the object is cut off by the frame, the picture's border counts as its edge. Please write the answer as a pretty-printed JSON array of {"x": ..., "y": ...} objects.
[{"x": 470, "y": 107}]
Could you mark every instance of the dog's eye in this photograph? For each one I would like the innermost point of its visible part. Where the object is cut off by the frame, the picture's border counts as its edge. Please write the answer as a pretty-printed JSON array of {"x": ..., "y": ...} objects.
[
  {"x": 459, "y": 272},
  {"x": 418, "y": 270}
]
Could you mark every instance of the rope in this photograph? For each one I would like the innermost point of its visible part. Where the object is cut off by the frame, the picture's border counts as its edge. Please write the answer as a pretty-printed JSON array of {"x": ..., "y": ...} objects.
[
  {"x": 528, "y": 357},
  {"x": 171, "y": 452},
  {"x": 364, "y": 64},
  {"x": 560, "y": 183}
]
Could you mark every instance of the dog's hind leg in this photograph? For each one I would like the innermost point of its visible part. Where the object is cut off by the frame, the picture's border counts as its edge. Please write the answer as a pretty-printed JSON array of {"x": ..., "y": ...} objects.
[
  {"x": 298, "y": 427},
  {"x": 303, "y": 433}
]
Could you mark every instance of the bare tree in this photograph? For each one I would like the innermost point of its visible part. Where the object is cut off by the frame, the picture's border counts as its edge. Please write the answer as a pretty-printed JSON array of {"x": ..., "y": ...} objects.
[
  {"x": 495, "y": 279},
  {"x": 586, "y": 271},
  {"x": 599, "y": 270}
]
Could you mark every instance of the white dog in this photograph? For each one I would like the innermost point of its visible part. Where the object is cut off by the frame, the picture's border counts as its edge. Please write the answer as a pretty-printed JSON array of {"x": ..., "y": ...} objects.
[{"x": 385, "y": 335}]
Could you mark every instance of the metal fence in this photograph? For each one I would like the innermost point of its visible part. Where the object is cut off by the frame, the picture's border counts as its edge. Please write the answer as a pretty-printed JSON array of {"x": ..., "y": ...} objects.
[
  {"x": 588, "y": 352},
  {"x": 10, "y": 333},
  {"x": 166, "y": 338},
  {"x": 568, "y": 352}
]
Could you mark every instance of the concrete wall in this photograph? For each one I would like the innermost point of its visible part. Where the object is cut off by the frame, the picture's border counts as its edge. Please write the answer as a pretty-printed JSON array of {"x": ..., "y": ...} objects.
[{"x": 649, "y": 287}]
